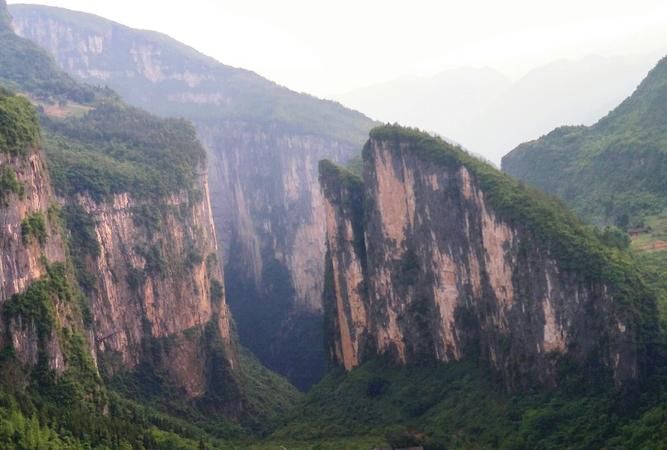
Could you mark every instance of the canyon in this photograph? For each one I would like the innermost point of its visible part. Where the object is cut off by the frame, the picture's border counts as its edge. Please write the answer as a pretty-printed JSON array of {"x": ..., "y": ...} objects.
[{"x": 263, "y": 143}]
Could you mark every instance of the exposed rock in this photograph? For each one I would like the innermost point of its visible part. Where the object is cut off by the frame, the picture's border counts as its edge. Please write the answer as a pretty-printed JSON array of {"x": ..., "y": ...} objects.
[
  {"x": 21, "y": 261},
  {"x": 425, "y": 268},
  {"x": 263, "y": 143},
  {"x": 154, "y": 281}
]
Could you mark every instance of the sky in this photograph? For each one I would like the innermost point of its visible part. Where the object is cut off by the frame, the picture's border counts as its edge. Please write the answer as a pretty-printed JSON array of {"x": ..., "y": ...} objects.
[{"x": 327, "y": 48}]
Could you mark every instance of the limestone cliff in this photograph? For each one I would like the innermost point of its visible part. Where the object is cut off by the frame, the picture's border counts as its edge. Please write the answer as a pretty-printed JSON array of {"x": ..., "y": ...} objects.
[
  {"x": 263, "y": 143},
  {"x": 36, "y": 303},
  {"x": 268, "y": 209},
  {"x": 444, "y": 258},
  {"x": 157, "y": 283}
]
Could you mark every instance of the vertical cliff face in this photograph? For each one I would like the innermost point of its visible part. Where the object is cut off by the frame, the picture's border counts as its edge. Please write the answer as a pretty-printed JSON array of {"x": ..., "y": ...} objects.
[
  {"x": 157, "y": 284},
  {"x": 270, "y": 215},
  {"x": 457, "y": 262},
  {"x": 37, "y": 304},
  {"x": 263, "y": 143},
  {"x": 346, "y": 289},
  {"x": 22, "y": 253}
]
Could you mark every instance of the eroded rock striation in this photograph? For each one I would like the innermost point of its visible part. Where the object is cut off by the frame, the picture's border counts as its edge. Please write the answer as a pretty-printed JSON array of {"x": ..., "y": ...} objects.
[
  {"x": 263, "y": 143},
  {"x": 37, "y": 304},
  {"x": 436, "y": 256}
]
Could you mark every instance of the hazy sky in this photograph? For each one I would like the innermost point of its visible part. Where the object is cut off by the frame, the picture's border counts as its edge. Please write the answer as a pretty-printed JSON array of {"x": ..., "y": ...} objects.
[{"x": 330, "y": 47}]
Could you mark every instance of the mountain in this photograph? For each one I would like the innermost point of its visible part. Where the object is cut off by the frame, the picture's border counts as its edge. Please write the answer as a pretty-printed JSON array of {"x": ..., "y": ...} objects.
[
  {"x": 465, "y": 310},
  {"x": 263, "y": 143},
  {"x": 437, "y": 256},
  {"x": 459, "y": 103},
  {"x": 112, "y": 301},
  {"x": 611, "y": 172}
]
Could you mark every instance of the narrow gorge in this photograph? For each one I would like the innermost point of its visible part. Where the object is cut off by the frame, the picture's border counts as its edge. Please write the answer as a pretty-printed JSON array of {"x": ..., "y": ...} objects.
[{"x": 263, "y": 143}]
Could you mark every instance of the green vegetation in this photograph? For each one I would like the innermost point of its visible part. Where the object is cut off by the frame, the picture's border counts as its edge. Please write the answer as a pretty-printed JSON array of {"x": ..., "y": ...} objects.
[
  {"x": 612, "y": 172},
  {"x": 27, "y": 68},
  {"x": 458, "y": 406},
  {"x": 82, "y": 243},
  {"x": 9, "y": 185},
  {"x": 37, "y": 302},
  {"x": 268, "y": 397},
  {"x": 19, "y": 126},
  {"x": 115, "y": 149},
  {"x": 34, "y": 227}
]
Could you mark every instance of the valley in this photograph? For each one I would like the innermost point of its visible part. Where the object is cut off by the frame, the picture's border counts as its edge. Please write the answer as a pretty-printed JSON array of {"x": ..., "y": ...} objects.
[{"x": 195, "y": 257}]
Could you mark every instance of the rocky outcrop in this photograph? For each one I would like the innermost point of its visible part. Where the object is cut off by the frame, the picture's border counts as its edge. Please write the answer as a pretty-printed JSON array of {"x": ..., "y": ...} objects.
[
  {"x": 432, "y": 264},
  {"x": 31, "y": 245},
  {"x": 157, "y": 280},
  {"x": 22, "y": 257},
  {"x": 346, "y": 294},
  {"x": 263, "y": 143}
]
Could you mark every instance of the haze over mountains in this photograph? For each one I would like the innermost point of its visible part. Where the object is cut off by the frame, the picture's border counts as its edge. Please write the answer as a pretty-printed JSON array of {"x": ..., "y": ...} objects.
[{"x": 490, "y": 114}]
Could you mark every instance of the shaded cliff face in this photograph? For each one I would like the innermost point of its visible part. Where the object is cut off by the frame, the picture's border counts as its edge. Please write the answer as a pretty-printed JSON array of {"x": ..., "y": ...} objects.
[
  {"x": 452, "y": 272},
  {"x": 263, "y": 143},
  {"x": 269, "y": 213}
]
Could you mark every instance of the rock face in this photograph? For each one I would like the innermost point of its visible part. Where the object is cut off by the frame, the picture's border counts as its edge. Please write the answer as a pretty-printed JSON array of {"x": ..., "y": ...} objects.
[
  {"x": 427, "y": 264},
  {"x": 30, "y": 245},
  {"x": 263, "y": 143},
  {"x": 21, "y": 259},
  {"x": 269, "y": 212},
  {"x": 158, "y": 285}
]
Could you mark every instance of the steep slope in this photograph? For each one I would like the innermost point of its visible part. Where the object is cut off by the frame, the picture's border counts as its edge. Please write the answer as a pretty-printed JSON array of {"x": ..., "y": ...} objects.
[
  {"x": 44, "y": 319},
  {"x": 134, "y": 200},
  {"x": 144, "y": 242},
  {"x": 263, "y": 143},
  {"x": 609, "y": 172},
  {"x": 437, "y": 256}
]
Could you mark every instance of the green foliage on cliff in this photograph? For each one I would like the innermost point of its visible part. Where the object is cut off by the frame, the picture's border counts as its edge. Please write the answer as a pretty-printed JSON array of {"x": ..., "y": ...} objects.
[
  {"x": 115, "y": 149},
  {"x": 82, "y": 243},
  {"x": 614, "y": 172},
  {"x": 34, "y": 227},
  {"x": 577, "y": 248},
  {"x": 9, "y": 185},
  {"x": 36, "y": 304},
  {"x": 19, "y": 126}
]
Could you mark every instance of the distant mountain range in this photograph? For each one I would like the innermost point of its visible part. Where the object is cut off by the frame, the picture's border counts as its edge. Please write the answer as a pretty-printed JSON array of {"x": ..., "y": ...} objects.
[{"x": 459, "y": 103}]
